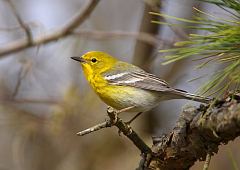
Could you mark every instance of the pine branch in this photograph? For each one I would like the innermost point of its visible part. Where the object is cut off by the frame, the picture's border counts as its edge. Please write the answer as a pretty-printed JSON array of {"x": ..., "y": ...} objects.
[{"x": 217, "y": 43}]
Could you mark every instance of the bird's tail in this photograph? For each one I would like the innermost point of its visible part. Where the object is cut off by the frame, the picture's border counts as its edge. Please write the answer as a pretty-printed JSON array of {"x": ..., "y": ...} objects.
[
  {"x": 194, "y": 97},
  {"x": 197, "y": 98}
]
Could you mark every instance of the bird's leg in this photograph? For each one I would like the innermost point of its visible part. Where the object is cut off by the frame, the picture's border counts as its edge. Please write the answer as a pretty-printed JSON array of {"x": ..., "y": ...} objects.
[{"x": 132, "y": 119}]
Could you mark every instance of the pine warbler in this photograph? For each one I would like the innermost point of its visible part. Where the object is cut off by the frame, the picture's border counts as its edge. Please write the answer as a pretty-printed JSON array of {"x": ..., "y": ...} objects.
[{"x": 122, "y": 85}]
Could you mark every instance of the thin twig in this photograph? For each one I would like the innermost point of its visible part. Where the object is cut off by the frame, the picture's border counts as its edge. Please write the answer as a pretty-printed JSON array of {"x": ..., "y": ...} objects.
[
  {"x": 140, "y": 36},
  {"x": 108, "y": 123},
  {"x": 15, "y": 28},
  {"x": 110, "y": 109},
  {"x": 129, "y": 132},
  {"x": 31, "y": 101},
  {"x": 122, "y": 126},
  {"x": 25, "y": 67},
  {"x": 22, "y": 24},
  {"x": 80, "y": 17},
  {"x": 134, "y": 117},
  {"x": 19, "y": 81},
  {"x": 94, "y": 128},
  {"x": 66, "y": 30}
]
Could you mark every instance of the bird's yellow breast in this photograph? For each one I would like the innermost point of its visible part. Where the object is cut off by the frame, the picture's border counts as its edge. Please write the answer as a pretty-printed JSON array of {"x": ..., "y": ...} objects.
[
  {"x": 120, "y": 97},
  {"x": 105, "y": 91}
]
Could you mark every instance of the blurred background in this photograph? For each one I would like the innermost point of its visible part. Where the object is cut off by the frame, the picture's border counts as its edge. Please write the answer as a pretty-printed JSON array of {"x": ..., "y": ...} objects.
[{"x": 45, "y": 100}]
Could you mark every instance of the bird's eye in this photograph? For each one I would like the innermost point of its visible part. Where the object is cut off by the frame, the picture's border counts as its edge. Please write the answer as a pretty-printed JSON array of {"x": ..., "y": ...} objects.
[{"x": 94, "y": 60}]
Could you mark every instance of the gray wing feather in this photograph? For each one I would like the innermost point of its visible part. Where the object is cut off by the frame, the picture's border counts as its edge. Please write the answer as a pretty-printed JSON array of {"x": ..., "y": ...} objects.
[
  {"x": 125, "y": 74},
  {"x": 141, "y": 79}
]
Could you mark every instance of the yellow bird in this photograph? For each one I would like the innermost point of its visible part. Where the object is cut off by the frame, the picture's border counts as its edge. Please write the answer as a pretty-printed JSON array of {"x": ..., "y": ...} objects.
[{"x": 122, "y": 85}]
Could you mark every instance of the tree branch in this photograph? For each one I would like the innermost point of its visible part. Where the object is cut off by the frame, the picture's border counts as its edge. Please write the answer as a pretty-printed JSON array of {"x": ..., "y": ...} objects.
[
  {"x": 66, "y": 30},
  {"x": 198, "y": 132},
  {"x": 80, "y": 17},
  {"x": 129, "y": 132},
  {"x": 123, "y": 128},
  {"x": 141, "y": 36},
  {"x": 22, "y": 24}
]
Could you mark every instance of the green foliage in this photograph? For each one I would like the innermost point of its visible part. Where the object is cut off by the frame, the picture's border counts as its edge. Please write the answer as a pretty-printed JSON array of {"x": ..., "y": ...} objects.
[
  {"x": 231, "y": 4},
  {"x": 218, "y": 43}
]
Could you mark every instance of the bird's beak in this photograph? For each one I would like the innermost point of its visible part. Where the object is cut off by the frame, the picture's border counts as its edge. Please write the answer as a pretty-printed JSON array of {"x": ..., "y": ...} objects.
[{"x": 80, "y": 59}]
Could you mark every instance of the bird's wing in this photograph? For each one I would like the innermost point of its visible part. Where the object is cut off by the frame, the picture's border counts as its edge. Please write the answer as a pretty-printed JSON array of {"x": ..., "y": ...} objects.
[
  {"x": 139, "y": 79},
  {"x": 135, "y": 77}
]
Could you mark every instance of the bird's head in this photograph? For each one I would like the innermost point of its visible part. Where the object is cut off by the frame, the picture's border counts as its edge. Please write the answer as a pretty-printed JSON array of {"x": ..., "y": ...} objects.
[{"x": 94, "y": 62}]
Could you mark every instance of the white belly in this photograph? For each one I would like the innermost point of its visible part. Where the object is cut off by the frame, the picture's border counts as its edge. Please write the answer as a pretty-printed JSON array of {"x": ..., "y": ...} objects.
[{"x": 123, "y": 97}]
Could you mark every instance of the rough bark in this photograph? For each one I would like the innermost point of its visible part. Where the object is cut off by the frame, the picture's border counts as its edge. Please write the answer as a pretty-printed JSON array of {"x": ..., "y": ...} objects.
[{"x": 198, "y": 131}]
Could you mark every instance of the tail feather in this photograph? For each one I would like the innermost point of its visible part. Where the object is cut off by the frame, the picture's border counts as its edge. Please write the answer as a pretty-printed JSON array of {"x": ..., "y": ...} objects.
[
  {"x": 197, "y": 98},
  {"x": 190, "y": 96}
]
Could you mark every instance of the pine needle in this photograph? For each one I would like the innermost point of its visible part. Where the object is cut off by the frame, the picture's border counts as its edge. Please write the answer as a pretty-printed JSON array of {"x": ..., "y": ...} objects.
[{"x": 220, "y": 44}]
